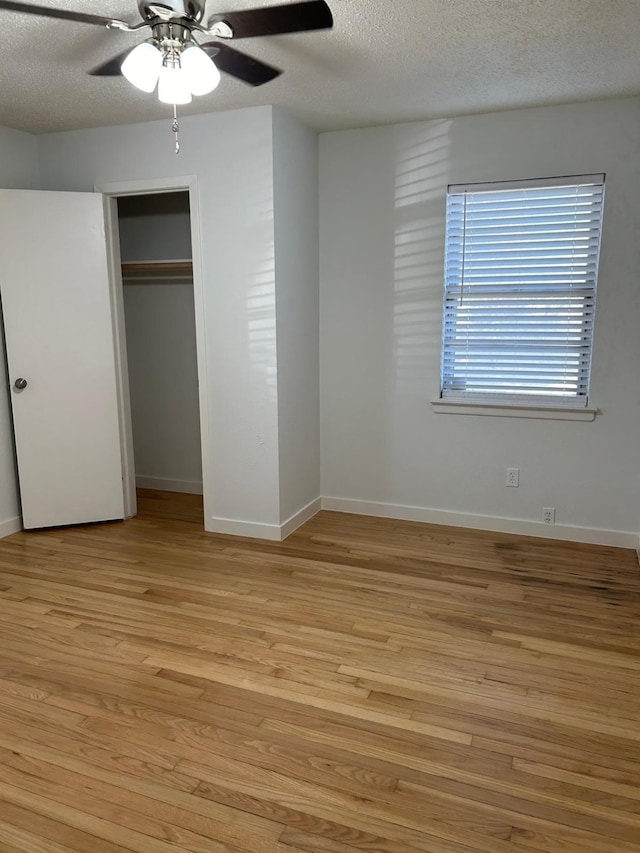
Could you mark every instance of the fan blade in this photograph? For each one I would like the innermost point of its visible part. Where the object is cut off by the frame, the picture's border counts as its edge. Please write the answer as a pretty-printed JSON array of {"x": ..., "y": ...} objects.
[
  {"x": 112, "y": 67},
  {"x": 237, "y": 64},
  {"x": 61, "y": 14},
  {"x": 274, "y": 20}
]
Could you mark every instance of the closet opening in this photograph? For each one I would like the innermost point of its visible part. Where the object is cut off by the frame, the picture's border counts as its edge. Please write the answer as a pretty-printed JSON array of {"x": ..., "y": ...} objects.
[{"x": 160, "y": 332}]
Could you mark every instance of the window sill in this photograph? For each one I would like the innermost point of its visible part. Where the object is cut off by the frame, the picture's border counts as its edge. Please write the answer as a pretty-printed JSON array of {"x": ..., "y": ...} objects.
[{"x": 502, "y": 410}]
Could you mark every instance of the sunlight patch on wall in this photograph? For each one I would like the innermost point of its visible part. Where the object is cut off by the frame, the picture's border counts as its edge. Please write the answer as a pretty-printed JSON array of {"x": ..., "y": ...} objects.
[{"x": 420, "y": 199}]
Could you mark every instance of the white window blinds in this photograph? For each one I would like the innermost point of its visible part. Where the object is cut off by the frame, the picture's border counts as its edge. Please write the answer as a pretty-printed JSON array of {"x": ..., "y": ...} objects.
[{"x": 520, "y": 280}]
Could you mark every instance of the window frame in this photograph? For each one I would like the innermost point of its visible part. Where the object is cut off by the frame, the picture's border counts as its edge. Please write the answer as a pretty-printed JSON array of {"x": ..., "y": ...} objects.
[{"x": 570, "y": 406}]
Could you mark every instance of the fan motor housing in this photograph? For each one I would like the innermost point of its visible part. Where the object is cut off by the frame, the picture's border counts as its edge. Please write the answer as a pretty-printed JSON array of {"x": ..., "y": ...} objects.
[{"x": 174, "y": 10}]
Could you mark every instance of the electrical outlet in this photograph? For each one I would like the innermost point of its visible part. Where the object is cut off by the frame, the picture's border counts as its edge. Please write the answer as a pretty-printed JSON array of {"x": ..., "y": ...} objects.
[
  {"x": 549, "y": 514},
  {"x": 513, "y": 477}
]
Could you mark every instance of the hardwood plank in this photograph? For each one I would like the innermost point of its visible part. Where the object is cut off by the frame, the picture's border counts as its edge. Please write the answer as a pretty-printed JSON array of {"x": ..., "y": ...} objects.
[
  {"x": 223, "y": 819},
  {"x": 38, "y": 834},
  {"x": 369, "y": 684}
]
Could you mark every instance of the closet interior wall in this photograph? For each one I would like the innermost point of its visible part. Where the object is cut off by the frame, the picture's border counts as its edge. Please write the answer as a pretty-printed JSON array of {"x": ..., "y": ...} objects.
[{"x": 155, "y": 248}]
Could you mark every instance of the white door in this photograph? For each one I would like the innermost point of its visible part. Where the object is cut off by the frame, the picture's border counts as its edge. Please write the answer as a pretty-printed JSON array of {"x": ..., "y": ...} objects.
[{"x": 54, "y": 284}]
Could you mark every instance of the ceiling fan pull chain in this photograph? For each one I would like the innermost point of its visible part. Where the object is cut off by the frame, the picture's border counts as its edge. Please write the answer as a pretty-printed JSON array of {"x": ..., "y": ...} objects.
[{"x": 175, "y": 127}]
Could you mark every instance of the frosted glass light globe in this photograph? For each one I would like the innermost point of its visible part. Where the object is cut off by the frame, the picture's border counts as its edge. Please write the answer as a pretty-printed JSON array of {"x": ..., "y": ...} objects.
[
  {"x": 173, "y": 85},
  {"x": 142, "y": 66},
  {"x": 202, "y": 74}
]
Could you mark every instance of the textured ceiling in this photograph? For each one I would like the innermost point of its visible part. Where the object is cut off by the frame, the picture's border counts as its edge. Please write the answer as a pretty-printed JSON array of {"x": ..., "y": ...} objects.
[{"x": 383, "y": 62}]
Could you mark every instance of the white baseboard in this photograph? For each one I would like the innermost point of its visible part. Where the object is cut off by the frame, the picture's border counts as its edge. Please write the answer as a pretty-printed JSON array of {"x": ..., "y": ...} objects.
[
  {"x": 250, "y": 529},
  {"x": 11, "y": 525},
  {"x": 163, "y": 484},
  {"x": 273, "y": 532},
  {"x": 589, "y": 535},
  {"x": 299, "y": 518}
]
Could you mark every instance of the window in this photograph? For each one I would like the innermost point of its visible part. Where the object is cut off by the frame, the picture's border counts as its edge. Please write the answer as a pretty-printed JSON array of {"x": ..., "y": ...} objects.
[{"x": 521, "y": 265}]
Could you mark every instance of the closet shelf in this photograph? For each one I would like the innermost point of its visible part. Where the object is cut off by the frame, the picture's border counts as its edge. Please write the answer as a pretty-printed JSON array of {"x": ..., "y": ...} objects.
[{"x": 155, "y": 272}]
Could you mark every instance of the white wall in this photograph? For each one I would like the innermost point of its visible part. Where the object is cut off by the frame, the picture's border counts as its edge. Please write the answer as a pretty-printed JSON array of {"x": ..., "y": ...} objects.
[
  {"x": 297, "y": 305},
  {"x": 382, "y": 230},
  {"x": 231, "y": 155},
  {"x": 382, "y": 203},
  {"x": 18, "y": 160},
  {"x": 18, "y": 170},
  {"x": 163, "y": 379}
]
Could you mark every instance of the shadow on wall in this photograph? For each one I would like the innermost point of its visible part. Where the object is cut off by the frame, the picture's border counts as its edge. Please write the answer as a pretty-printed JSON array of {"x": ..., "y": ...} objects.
[
  {"x": 421, "y": 174},
  {"x": 418, "y": 265},
  {"x": 261, "y": 307}
]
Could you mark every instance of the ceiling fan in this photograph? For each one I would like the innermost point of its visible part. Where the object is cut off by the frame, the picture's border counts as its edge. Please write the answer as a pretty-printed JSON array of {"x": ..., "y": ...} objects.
[{"x": 174, "y": 60}]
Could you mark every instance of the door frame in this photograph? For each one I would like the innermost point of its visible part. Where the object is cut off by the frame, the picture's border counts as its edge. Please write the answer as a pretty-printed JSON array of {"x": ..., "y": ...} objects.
[{"x": 111, "y": 192}]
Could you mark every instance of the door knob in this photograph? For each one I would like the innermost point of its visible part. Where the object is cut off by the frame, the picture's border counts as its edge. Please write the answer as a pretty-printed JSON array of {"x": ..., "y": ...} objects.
[{"x": 20, "y": 384}]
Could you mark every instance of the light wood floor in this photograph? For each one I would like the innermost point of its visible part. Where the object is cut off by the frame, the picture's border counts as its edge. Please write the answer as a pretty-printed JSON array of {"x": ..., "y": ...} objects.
[{"x": 369, "y": 685}]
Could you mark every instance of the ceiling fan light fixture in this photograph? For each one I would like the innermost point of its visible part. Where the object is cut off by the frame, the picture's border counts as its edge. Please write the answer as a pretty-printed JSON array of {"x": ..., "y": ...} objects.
[
  {"x": 173, "y": 61},
  {"x": 173, "y": 85},
  {"x": 201, "y": 72},
  {"x": 142, "y": 66}
]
